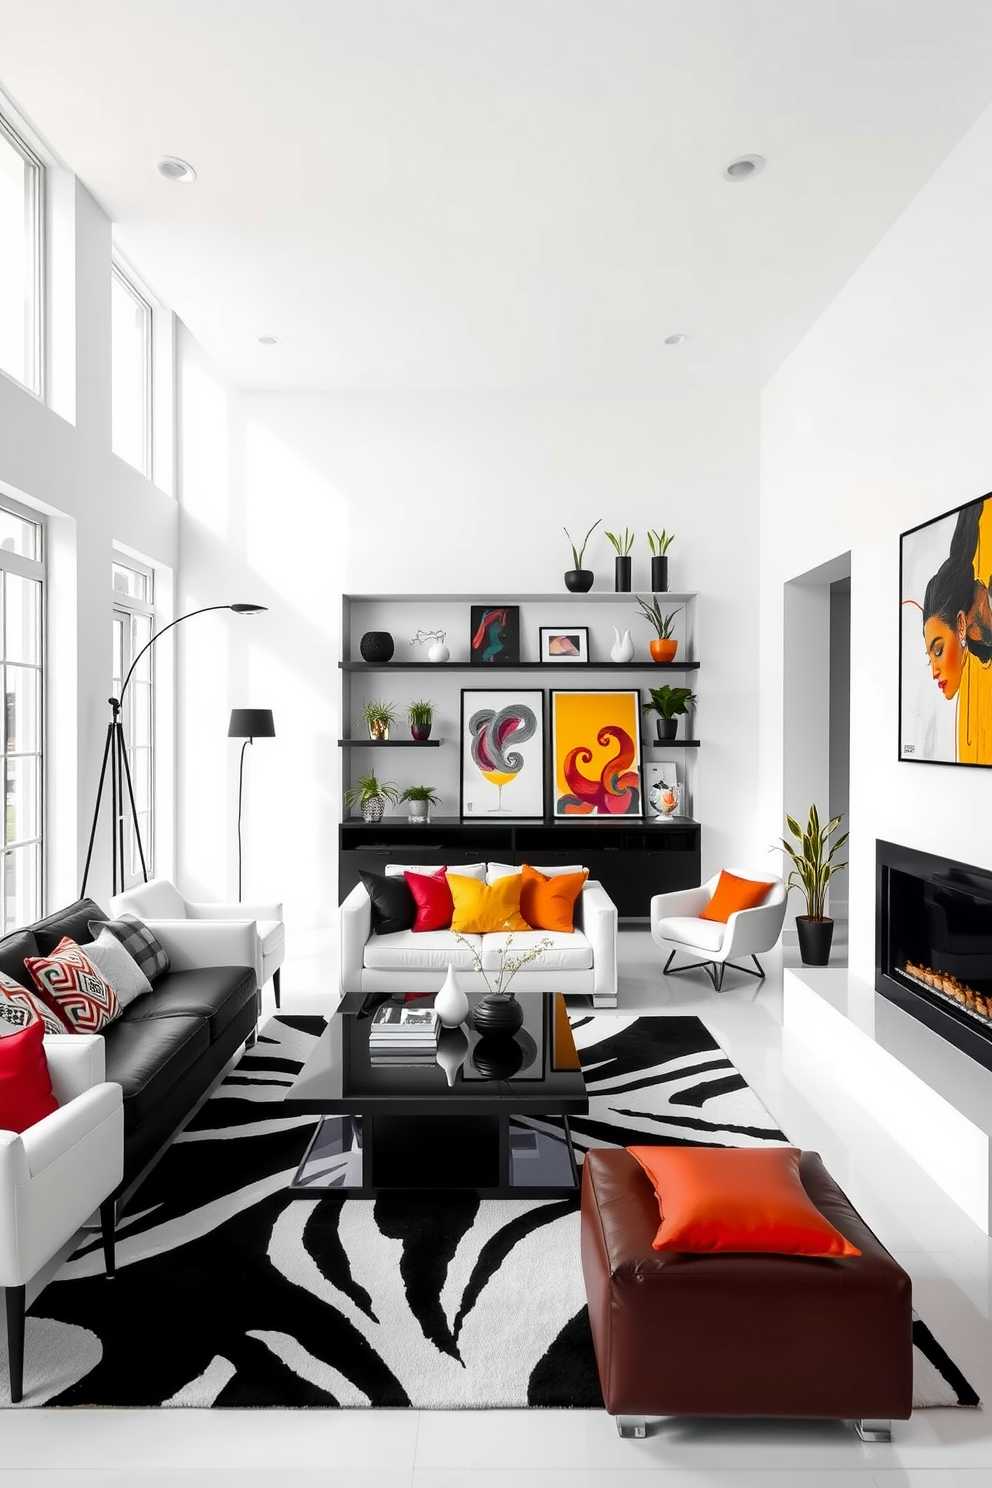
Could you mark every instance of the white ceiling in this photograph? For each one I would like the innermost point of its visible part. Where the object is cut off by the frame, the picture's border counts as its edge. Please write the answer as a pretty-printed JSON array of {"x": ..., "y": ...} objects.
[{"x": 489, "y": 194}]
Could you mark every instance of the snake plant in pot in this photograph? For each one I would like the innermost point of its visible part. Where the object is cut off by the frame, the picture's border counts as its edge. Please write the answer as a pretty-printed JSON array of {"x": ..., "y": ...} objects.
[
  {"x": 579, "y": 580},
  {"x": 812, "y": 856}
]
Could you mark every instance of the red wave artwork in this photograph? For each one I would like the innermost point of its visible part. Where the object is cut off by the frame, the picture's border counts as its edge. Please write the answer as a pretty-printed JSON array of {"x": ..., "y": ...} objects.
[{"x": 615, "y": 793}]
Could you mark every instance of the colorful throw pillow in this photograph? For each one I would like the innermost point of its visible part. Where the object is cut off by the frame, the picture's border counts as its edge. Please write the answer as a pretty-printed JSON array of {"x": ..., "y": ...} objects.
[
  {"x": 736, "y": 1199},
  {"x": 25, "y": 1083},
  {"x": 480, "y": 909},
  {"x": 732, "y": 894},
  {"x": 433, "y": 900},
  {"x": 117, "y": 967},
  {"x": 15, "y": 998},
  {"x": 69, "y": 979},
  {"x": 393, "y": 905},
  {"x": 549, "y": 903},
  {"x": 140, "y": 943}
]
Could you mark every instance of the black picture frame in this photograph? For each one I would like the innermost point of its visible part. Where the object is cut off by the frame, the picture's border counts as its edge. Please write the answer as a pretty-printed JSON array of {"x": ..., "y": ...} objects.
[
  {"x": 578, "y": 634},
  {"x": 945, "y": 650},
  {"x": 474, "y": 801},
  {"x": 494, "y": 637}
]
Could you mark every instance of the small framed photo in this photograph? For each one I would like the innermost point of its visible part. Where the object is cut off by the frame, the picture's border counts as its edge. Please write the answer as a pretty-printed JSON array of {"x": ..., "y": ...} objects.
[
  {"x": 560, "y": 644},
  {"x": 495, "y": 638}
]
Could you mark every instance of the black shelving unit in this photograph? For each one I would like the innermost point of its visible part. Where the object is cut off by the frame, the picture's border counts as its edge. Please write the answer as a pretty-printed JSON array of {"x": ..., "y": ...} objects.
[{"x": 390, "y": 743}]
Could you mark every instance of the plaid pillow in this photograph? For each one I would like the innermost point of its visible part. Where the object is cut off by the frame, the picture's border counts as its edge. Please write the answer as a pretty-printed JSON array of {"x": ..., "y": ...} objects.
[
  {"x": 139, "y": 942},
  {"x": 69, "y": 978},
  {"x": 16, "y": 1000}
]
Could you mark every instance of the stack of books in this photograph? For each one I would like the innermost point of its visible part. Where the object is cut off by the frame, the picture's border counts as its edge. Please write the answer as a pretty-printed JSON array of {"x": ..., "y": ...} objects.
[{"x": 403, "y": 1035}]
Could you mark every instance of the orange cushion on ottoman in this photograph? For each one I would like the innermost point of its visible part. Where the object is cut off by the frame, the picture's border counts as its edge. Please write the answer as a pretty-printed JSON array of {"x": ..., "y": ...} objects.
[
  {"x": 736, "y": 1199},
  {"x": 732, "y": 894}
]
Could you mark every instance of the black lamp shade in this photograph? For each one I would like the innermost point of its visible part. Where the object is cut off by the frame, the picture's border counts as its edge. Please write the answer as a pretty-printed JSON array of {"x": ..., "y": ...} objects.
[{"x": 251, "y": 723}]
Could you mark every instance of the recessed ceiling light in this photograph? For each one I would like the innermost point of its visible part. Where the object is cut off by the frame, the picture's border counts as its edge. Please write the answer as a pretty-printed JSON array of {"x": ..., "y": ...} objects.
[
  {"x": 743, "y": 168},
  {"x": 677, "y": 339},
  {"x": 268, "y": 340},
  {"x": 174, "y": 169}
]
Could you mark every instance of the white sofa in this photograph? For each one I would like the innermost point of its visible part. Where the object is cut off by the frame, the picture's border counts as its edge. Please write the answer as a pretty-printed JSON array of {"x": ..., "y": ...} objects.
[{"x": 582, "y": 963}]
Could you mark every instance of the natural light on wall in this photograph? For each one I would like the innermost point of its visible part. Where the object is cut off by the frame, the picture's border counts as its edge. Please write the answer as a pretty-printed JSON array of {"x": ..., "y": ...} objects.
[
  {"x": 20, "y": 260},
  {"x": 131, "y": 373}
]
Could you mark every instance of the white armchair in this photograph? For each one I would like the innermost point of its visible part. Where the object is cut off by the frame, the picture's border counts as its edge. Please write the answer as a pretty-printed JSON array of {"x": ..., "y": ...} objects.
[
  {"x": 55, "y": 1175},
  {"x": 159, "y": 902},
  {"x": 675, "y": 924}
]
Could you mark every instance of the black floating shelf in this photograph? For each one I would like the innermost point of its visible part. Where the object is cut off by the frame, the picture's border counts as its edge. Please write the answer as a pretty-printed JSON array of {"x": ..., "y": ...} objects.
[
  {"x": 520, "y": 666},
  {"x": 672, "y": 743},
  {"x": 390, "y": 743}
]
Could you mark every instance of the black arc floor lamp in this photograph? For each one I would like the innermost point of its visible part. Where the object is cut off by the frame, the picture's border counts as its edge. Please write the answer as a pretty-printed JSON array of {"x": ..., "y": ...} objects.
[
  {"x": 248, "y": 724},
  {"x": 115, "y": 753}
]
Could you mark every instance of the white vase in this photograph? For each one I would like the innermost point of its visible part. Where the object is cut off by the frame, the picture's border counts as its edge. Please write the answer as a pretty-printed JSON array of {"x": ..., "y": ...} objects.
[
  {"x": 451, "y": 1004},
  {"x": 623, "y": 646},
  {"x": 438, "y": 652},
  {"x": 452, "y": 1049}
]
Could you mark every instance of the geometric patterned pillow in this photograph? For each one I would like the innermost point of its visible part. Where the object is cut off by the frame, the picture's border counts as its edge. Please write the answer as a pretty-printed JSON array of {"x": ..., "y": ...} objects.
[
  {"x": 16, "y": 1000},
  {"x": 69, "y": 979},
  {"x": 139, "y": 942}
]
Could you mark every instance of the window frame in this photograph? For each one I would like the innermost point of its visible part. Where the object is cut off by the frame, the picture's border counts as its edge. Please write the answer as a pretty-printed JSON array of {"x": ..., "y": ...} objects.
[
  {"x": 128, "y": 607},
  {"x": 36, "y": 342},
  {"x": 36, "y": 569},
  {"x": 130, "y": 283}
]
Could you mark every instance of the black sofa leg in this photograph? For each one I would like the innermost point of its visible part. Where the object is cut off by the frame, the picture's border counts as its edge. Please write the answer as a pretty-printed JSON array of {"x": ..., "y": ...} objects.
[
  {"x": 15, "y": 1341},
  {"x": 276, "y": 987},
  {"x": 108, "y": 1222}
]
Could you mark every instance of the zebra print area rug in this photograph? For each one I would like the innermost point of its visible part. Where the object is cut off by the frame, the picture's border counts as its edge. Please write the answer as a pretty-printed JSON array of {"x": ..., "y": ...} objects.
[{"x": 231, "y": 1293}]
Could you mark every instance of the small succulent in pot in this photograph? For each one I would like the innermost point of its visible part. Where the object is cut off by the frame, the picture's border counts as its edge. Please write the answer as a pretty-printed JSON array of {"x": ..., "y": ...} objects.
[
  {"x": 421, "y": 798},
  {"x": 372, "y": 795},
  {"x": 378, "y": 715},
  {"x": 669, "y": 703},
  {"x": 659, "y": 543},
  {"x": 421, "y": 716}
]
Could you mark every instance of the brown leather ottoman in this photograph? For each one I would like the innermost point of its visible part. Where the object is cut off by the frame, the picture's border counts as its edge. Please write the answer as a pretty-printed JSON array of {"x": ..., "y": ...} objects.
[{"x": 741, "y": 1335}]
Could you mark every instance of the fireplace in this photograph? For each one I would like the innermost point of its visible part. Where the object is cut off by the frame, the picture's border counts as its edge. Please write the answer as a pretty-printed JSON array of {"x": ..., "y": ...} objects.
[{"x": 933, "y": 944}]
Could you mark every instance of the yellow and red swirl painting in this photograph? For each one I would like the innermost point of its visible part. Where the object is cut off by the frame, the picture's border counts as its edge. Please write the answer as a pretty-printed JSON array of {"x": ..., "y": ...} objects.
[{"x": 597, "y": 754}]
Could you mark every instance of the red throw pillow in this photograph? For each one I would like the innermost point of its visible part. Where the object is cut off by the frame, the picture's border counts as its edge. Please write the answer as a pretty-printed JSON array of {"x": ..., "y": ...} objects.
[
  {"x": 548, "y": 903},
  {"x": 732, "y": 894},
  {"x": 736, "y": 1199},
  {"x": 69, "y": 980},
  {"x": 25, "y": 1084},
  {"x": 435, "y": 905}
]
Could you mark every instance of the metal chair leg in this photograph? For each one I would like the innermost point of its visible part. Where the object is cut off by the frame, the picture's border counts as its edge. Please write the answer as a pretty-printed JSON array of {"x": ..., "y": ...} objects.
[
  {"x": 664, "y": 970},
  {"x": 716, "y": 975},
  {"x": 871, "y": 1429},
  {"x": 757, "y": 963},
  {"x": 15, "y": 1341},
  {"x": 631, "y": 1426},
  {"x": 276, "y": 987},
  {"x": 108, "y": 1220}
]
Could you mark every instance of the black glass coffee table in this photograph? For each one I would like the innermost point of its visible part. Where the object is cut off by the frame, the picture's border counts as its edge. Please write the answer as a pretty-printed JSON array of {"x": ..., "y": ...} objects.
[{"x": 457, "y": 1121}]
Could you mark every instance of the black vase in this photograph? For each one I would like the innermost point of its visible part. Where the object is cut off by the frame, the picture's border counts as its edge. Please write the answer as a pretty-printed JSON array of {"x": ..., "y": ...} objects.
[
  {"x": 659, "y": 574},
  {"x": 497, "y": 1015},
  {"x": 814, "y": 940},
  {"x": 622, "y": 582},
  {"x": 497, "y": 1056},
  {"x": 579, "y": 580},
  {"x": 667, "y": 729},
  {"x": 376, "y": 646}
]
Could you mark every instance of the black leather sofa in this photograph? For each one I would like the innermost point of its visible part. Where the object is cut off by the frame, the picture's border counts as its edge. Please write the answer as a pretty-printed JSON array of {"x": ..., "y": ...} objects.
[{"x": 167, "y": 1047}]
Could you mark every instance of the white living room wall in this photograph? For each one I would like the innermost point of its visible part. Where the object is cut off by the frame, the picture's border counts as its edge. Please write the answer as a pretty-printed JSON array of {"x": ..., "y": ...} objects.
[
  {"x": 879, "y": 420},
  {"x": 61, "y": 464},
  {"x": 290, "y": 500}
]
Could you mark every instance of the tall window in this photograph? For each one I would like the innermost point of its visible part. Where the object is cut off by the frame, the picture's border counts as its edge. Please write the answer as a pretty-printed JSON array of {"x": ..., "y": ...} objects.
[
  {"x": 131, "y": 373},
  {"x": 133, "y": 626},
  {"x": 21, "y": 633},
  {"x": 21, "y": 180}
]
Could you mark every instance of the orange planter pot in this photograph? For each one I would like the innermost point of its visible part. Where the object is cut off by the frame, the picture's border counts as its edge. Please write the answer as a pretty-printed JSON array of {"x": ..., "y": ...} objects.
[{"x": 663, "y": 650}]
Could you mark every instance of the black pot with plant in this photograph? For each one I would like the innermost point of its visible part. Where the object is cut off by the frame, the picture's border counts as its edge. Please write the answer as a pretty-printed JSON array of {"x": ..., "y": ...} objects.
[
  {"x": 659, "y": 543},
  {"x": 622, "y": 544},
  {"x": 670, "y": 703},
  {"x": 814, "y": 867},
  {"x": 421, "y": 798},
  {"x": 421, "y": 716},
  {"x": 579, "y": 580}
]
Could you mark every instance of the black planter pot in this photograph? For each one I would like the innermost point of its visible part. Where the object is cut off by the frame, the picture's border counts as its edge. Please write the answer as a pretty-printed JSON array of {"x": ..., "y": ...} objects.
[
  {"x": 579, "y": 580},
  {"x": 667, "y": 729},
  {"x": 376, "y": 646},
  {"x": 496, "y": 1016},
  {"x": 659, "y": 574},
  {"x": 621, "y": 583},
  {"x": 497, "y": 1056},
  {"x": 420, "y": 731},
  {"x": 814, "y": 940}
]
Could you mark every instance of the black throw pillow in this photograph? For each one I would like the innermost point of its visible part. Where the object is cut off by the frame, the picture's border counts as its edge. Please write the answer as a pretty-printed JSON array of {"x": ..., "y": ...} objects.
[{"x": 393, "y": 904}]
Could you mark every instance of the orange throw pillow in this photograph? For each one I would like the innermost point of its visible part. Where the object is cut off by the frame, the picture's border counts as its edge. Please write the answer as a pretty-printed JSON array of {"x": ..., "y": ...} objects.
[
  {"x": 549, "y": 903},
  {"x": 736, "y": 1199},
  {"x": 732, "y": 894},
  {"x": 482, "y": 908}
]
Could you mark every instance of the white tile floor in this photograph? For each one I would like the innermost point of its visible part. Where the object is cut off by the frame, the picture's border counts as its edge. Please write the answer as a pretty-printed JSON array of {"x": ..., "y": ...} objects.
[{"x": 949, "y": 1259}]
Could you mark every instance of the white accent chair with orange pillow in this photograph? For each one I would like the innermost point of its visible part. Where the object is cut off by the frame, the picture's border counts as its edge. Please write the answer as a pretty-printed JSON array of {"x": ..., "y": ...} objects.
[{"x": 676, "y": 923}]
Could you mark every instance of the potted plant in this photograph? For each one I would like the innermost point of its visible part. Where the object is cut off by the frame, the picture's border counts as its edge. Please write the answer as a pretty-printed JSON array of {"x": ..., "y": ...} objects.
[
  {"x": 669, "y": 703},
  {"x": 622, "y": 543},
  {"x": 578, "y": 580},
  {"x": 813, "y": 869},
  {"x": 371, "y": 795},
  {"x": 421, "y": 799},
  {"x": 378, "y": 715},
  {"x": 659, "y": 543},
  {"x": 664, "y": 647},
  {"x": 421, "y": 716}
]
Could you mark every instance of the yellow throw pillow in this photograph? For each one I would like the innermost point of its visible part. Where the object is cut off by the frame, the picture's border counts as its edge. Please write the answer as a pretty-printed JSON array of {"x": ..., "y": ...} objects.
[{"x": 482, "y": 908}]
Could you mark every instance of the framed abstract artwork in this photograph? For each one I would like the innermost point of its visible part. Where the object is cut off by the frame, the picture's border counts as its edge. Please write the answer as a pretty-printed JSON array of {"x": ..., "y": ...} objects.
[
  {"x": 945, "y": 638},
  {"x": 564, "y": 644},
  {"x": 502, "y": 752},
  {"x": 596, "y": 754},
  {"x": 495, "y": 636}
]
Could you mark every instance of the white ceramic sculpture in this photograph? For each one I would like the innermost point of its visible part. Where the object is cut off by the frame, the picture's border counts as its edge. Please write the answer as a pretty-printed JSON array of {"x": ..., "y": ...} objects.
[
  {"x": 451, "y": 1004},
  {"x": 623, "y": 646}
]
